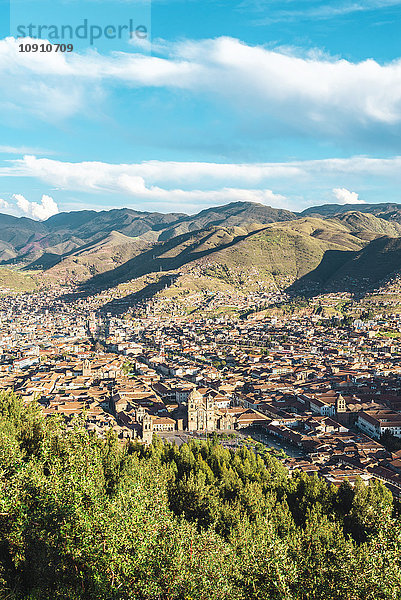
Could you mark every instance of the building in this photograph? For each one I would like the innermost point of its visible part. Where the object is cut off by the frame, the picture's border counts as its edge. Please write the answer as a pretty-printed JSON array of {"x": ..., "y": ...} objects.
[
  {"x": 201, "y": 412},
  {"x": 376, "y": 423}
]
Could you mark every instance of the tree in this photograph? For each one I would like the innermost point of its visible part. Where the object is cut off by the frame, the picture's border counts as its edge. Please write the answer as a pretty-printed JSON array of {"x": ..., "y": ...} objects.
[{"x": 83, "y": 517}]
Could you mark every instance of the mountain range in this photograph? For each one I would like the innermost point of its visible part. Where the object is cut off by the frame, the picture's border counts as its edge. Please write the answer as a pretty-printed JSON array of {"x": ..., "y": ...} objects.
[
  {"x": 242, "y": 244},
  {"x": 24, "y": 240}
]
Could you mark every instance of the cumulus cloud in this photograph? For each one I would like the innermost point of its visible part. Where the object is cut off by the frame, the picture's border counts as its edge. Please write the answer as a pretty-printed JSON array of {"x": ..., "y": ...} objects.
[
  {"x": 42, "y": 211},
  {"x": 4, "y": 203},
  {"x": 344, "y": 196},
  {"x": 312, "y": 94},
  {"x": 23, "y": 204}
]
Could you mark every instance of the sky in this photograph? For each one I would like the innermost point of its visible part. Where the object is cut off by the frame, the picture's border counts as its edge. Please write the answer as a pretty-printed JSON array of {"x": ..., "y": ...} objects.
[{"x": 176, "y": 106}]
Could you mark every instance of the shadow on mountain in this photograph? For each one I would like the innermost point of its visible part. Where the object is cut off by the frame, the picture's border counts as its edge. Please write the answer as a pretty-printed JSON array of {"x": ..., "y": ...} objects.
[
  {"x": 155, "y": 260},
  {"x": 355, "y": 272},
  {"x": 121, "y": 305},
  {"x": 50, "y": 259},
  {"x": 44, "y": 262},
  {"x": 313, "y": 283},
  {"x": 233, "y": 214}
]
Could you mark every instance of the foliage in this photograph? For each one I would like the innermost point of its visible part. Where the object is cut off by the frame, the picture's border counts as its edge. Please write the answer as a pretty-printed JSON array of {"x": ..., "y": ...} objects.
[{"x": 88, "y": 518}]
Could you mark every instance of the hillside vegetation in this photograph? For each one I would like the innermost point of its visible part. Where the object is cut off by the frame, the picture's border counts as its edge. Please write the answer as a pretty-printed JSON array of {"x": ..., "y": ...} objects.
[
  {"x": 16, "y": 281},
  {"x": 356, "y": 272},
  {"x": 237, "y": 247},
  {"x": 276, "y": 254},
  {"x": 23, "y": 240},
  {"x": 85, "y": 518}
]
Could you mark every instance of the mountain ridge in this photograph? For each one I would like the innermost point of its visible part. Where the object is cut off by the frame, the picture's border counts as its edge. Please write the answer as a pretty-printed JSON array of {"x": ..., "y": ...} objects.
[
  {"x": 277, "y": 253},
  {"x": 65, "y": 231},
  {"x": 234, "y": 245}
]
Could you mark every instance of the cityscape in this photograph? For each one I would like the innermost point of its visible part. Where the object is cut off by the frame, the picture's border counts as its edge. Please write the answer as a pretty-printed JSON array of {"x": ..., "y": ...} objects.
[
  {"x": 322, "y": 392},
  {"x": 200, "y": 300}
]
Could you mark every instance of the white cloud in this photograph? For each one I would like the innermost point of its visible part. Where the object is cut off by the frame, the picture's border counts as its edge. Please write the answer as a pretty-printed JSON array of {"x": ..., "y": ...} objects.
[
  {"x": 100, "y": 176},
  {"x": 138, "y": 182},
  {"x": 189, "y": 186},
  {"x": 4, "y": 203},
  {"x": 22, "y": 203},
  {"x": 42, "y": 211},
  {"x": 96, "y": 176},
  {"x": 47, "y": 208},
  {"x": 344, "y": 196},
  {"x": 136, "y": 187},
  {"x": 312, "y": 94}
]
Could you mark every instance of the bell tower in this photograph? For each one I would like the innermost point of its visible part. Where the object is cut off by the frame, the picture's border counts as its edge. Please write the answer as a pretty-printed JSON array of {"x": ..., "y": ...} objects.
[
  {"x": 210, "y": 413},
  {"x": 194, "y": 404},
  {"x": 147, "y": 429},
  {"x": 341, "y": 406},
  {"x": 86, "y": 369}
]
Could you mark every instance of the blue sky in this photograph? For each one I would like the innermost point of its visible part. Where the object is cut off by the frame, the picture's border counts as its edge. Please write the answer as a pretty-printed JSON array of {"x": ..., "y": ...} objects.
[{"x": 289, "y": 103}]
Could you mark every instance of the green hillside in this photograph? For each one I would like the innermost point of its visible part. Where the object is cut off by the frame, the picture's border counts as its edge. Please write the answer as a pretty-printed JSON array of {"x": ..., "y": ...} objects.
[
  {"x": 281, "y": 253},
  {"x": 284, "y": 253},
  {"x": 16, "y": 281},
  {"x": 276, "y": 255},
  {"x": 368, "y": 226}
]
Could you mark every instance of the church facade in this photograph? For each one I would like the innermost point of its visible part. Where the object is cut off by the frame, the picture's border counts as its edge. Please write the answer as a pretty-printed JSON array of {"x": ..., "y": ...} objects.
[{"x": 201, "y": 412}]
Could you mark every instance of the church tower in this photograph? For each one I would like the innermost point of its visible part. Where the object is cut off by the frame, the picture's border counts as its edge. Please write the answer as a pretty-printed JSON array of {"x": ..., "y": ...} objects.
[
  {"x": 147, "y": 429},
  {"x": 341, "y": 406},
  {"x": 86, "y": 369},
  {"x": 210, "y": 413},
  {"x": 195, "y": 401}
]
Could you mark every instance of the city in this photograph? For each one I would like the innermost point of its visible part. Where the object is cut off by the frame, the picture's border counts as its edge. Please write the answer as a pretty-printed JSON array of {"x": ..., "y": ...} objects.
[
  {"x": 324, "y": 389},
  {"x": 200, "y": 300}
]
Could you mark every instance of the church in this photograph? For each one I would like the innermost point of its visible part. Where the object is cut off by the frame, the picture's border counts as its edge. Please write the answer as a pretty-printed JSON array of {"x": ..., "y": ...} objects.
[{"x": 203, "y": 414}]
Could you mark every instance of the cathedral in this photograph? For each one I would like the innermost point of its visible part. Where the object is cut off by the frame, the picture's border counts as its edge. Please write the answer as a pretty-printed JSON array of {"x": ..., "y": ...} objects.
[
  {"x": 204, "y": 415},
  {"x": 201, "y": 412}
]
